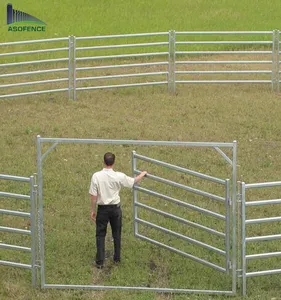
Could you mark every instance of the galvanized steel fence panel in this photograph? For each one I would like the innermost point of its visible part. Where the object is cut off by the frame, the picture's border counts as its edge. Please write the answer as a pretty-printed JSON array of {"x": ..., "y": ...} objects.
[
  {"x": 135, "y": 60},
  {"x": 246, "y": 239},
  {"x": 31, "y": 215},
  {"x": 30, "y": 62}
]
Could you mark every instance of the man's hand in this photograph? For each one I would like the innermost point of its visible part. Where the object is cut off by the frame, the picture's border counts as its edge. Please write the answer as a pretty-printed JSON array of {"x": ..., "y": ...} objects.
[
  {"x": 144, "y": 173},
  {"x": 93, "y": 216},
  {"x": 140, "y": 176}
]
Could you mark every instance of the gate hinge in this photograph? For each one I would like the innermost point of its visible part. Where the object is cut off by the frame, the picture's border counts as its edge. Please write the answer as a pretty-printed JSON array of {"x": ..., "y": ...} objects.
[
  {"x": 229, "y": 200},
  {"x": 229, "y": 265},
  {"x": 239, "y": 198},
  {"x": 239, "y": 273}
]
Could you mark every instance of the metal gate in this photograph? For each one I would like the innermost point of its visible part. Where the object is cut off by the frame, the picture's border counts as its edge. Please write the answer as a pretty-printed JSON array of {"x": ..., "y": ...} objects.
[
  {"x": 223, "y": 200},
  {"x": 32, "y": 231}
]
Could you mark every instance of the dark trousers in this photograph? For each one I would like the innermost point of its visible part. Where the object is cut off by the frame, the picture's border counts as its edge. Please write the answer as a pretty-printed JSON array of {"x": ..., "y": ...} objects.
[{"x": 113, "y": 215}]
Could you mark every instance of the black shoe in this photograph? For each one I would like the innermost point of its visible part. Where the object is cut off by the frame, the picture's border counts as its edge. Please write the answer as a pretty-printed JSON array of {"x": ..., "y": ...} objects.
[{"x": 99, "y": 266}]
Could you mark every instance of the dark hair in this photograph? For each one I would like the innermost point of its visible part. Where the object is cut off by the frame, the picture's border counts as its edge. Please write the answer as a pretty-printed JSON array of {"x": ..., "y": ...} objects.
[{"x": 109, "y": 158}]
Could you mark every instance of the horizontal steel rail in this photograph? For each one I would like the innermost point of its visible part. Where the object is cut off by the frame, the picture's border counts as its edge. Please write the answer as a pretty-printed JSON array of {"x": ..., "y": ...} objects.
[
  {"x": 14, "y": 213},
  {"x": 181, "y": 220},
  {"x": 34, "y": 72},
  {"x": 135, "y": 142},
  {"x": 14, "y": 195},
  {"x": 225, "y": 43},
  {"x": 120, "y": 85},
  {"x": 14, "y": 247},
  {"x": 263, "y": 255},
  {"x": 226, "y": 72},
  {"x": 120, "y": 36},
  {"x": 180, "y": 169},
  {"x": 33, "y": 51},
  {"x": 263, "y": 184},
  {"x": 123, "y": 46},
  {"x": 33, "y": 82},
  {"x": 222, "y": 52},
  {"x": 121, "y": 56},
  {"x": 121, "y": 76},
  {"x": 135, "y": 288},
  {"x": 123, "y": 66},
  {"x": 15, "y": 230},
  {"x": 33, "y": 62},
  {"x": 263, "y": 202},
  {"x": 34, "y": 41},
  {"x": 179, "y": 202},
  {"x": 14, "y": 178},
  {"x": 13, "y": 264},
  {"x": 260, "y": 273},
  {"x": 222, "y": 32},
  {"x": 223, "y": 62},
  {"x": 195, "y": 258},
  {"x": 34, "y": 93},
  {"x": 263, "y": 238},
  {"x": 223, "y": 81},
  {"x": 263, "y": 220},
  {"x": 184, "y": 187}
]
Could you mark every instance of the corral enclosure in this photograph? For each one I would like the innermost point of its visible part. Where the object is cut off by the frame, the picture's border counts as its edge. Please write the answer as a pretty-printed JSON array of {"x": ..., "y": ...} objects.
[
  {"x": 67, "y": 203},
  {"x": 246, "y": 113}
]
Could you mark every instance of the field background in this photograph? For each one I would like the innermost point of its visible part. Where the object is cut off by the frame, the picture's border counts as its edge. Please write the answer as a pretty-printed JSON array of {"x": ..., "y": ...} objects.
[{"x": 248, "y": 114}]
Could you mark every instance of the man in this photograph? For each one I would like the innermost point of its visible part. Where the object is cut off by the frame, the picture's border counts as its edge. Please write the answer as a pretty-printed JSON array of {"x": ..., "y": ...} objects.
[{"x": 104, "y": 191}]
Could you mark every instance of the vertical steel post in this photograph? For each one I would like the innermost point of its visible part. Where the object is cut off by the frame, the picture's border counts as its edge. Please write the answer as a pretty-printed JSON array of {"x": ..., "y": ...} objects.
[
  {"x": 227, "y": 224},
  {"x": 172, "y": 62},
  {"x": 33, "y": 230},
  {"x": 243, "y": 237},
  {"x": 234, "y": 231},
  {"x": 275, "y": 60},
  {"x": 40, "y": 211},
  {"x": 135, "y": 194},
  {"x": 239, "y": 235},
  {"x": 37, "y": 228},
  {"x": 71, "y": 68}
]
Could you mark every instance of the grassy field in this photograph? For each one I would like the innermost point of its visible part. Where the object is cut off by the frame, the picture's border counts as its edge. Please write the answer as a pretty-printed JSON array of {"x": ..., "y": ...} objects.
[
  {"x": 248, "y": 114},
  {"x": 201, "y": 115},
  {"x": 87, "y": 18}
]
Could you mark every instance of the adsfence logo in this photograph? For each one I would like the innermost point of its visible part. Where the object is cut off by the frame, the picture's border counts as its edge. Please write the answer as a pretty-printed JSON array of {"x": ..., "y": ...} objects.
[{"x": 21, "y": 21}]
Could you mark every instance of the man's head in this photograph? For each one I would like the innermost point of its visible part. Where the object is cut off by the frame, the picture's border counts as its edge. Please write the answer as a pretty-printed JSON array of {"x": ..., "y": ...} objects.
[{"x": 109, "y": 159}]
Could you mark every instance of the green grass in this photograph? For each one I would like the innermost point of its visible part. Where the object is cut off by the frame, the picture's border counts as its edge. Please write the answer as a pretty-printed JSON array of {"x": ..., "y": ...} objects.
[
  {"x": 194, "y": 115},
  {"x": 88, "y": 18},
  {"x": 248, "y": 114}
]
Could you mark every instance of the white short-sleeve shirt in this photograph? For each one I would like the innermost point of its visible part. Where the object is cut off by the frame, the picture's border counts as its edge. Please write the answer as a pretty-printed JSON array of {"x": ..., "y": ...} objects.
[{"x": 106, "y": 184}]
